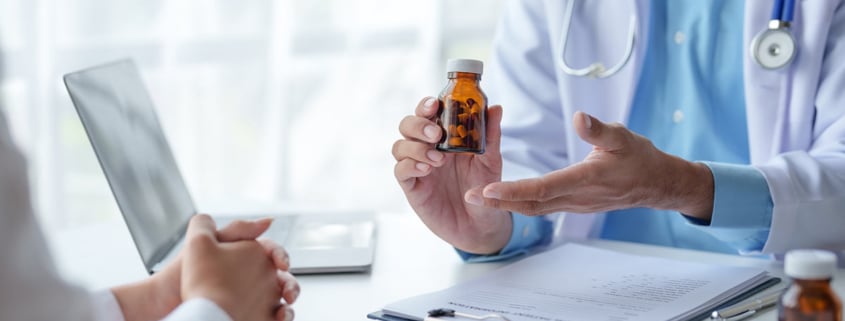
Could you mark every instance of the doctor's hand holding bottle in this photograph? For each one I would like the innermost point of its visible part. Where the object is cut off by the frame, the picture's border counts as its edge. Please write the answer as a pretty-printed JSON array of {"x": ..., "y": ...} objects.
[
  {"x": 461, "y": 198},
  {"x": 435, "y": 183}
]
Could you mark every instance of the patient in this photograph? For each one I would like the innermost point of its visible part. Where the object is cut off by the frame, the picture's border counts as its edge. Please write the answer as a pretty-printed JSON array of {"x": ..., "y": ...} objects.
[{"x": 220, "y": 274}]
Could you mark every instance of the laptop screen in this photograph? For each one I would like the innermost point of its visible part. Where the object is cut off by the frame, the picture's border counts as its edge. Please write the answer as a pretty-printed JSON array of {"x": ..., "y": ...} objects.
[{"x": 121, "y": 123}]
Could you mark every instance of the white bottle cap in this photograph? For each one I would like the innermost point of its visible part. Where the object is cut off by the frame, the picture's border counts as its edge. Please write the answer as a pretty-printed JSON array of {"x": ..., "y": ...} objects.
[
  {"x": 464, "y": 65},
  {"x": 810, "y": 264}
]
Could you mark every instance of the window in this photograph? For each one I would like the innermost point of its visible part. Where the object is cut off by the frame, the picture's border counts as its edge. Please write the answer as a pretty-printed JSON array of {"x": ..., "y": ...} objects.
[{"x": 262, "y": 101}]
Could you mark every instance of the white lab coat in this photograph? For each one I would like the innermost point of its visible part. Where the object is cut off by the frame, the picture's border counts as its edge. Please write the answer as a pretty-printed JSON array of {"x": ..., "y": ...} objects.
[
  {"x": 796, "y": 115},
  {"x": 30, "y": 287}
]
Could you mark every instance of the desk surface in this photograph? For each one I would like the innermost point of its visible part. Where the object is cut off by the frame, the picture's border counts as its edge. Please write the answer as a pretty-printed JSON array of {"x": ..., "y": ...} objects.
[{"x": 409, "y": 261}]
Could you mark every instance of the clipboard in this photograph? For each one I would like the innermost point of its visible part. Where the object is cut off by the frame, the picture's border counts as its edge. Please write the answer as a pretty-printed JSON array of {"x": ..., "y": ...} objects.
[
  {"x": 768, "y": 283},
  {"x": 580, "y": 282}
]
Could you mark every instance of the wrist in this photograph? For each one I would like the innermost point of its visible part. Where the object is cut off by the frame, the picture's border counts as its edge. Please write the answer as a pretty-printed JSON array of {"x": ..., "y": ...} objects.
[
  {"x": 688, "y": 189},
  {"x": 491, "y": 241},
  {"x": 165, "y": 291},
  {"x": 149, "y": 299},
  {"x": 697, "y": 192}
]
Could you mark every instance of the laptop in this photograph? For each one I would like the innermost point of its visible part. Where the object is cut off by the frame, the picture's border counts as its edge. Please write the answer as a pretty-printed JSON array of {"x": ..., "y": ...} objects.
[{"x": 120, "y": 120}]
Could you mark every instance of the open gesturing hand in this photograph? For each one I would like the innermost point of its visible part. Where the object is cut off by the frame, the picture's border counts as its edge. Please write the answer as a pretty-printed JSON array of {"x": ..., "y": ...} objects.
[{"x": 623, "y": 170}]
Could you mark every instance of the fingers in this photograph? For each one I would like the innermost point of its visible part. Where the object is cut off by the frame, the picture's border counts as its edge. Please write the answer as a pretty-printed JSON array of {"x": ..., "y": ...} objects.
[
  {"x": 427, "y": 107},
  {"x": 524, "y": 189},
  {"x": 241, "y": 230},
  {"x": 415, "y": 154},
  {"x": 565, "y": 203},
  {"x": 287, "y": 282},
  {"x": 608, "y": 137},
  {"x": 420, "y": 129},
  {"x": 201, "y": 225},
  {"x": 420, "y": 152},
  {"x": 530, "y": 208},
  {"x": 407, "y": 170},
  {"x": 494, "y": 127},
  {"x": 277, "y": 253},
  {"x": 284, "y": 313},
  {"x": 475, "y": 197},
  {"x": 289, "y": 285},
  {"x": 549, "y": 193},
  {"x": 552, "y": 185}
]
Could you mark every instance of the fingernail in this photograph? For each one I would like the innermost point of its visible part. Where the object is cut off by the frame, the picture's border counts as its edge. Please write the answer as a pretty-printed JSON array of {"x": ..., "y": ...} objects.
[
  {"x": 492, "y": 193},
  {"x": 474, "y": 199},
  {"x": 283, "y": 258},
  {"x": 588, "y": 121},
  {"x": 429, "y": 103},
  {"x": 423, "y": 166},
  {"x": 431, "y": 131},
  {"x": 295, "y": 294},
  {"x": 434, "y": 155},
  {"x": 288, "y": 314}
]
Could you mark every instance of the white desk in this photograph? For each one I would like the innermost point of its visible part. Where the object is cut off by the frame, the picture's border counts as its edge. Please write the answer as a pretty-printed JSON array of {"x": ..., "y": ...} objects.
[{"x": 409, "y": 261}]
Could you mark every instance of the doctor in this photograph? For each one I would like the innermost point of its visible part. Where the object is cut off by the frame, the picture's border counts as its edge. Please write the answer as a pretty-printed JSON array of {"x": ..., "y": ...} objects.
[
  {"x": 220, "y": 275},
  {"x": 734, "y": 135}
]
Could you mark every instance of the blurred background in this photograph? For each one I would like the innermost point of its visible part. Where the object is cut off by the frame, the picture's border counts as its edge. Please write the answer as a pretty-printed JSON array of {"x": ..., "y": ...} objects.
[{"x": 263, "y": 101}]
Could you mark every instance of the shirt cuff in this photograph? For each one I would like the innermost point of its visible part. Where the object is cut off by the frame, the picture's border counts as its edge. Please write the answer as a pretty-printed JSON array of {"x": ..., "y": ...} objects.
[
  {"x": 528, "y": 232},
  {"x": 198, "y": 309},
  {"x": 742, "y": 206},
  {"x": 106, "y": 306}
]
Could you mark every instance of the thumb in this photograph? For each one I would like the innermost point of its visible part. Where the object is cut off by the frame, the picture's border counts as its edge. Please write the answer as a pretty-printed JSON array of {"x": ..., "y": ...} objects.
[
  {"x": 243, "y": 230},
  {"x": 494, "y": 127},
  {"x": 201, "y": 225},
  {"x": 599, "y": 134}
]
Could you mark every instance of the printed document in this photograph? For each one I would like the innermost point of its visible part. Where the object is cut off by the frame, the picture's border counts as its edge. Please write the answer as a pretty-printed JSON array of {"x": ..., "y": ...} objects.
[{"x": 576, "y": 282}]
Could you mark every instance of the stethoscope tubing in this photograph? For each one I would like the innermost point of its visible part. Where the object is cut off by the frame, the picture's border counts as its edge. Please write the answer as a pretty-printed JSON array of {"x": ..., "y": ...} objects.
[
  {"x": 782, "y": 15},
  {"x": 783, "y": 10},
  {"x": 596, "y": 69}
]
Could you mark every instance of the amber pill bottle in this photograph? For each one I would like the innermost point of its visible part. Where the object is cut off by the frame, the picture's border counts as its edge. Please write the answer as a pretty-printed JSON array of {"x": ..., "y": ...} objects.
[
  {"x": 463, "y": 108},
  {"x": 810, "y": 296}
]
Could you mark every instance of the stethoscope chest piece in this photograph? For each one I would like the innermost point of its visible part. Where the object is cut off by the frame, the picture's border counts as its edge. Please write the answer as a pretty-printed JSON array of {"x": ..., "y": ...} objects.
[{"x": 773, "y": 48}]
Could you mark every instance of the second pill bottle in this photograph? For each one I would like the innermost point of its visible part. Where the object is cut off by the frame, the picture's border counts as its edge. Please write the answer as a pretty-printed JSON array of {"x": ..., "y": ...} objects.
[{"x": 463, "y": 108}]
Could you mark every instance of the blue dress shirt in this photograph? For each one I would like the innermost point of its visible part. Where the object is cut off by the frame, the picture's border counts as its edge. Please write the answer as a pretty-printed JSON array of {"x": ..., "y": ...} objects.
[{"x": 690, "y": 103}]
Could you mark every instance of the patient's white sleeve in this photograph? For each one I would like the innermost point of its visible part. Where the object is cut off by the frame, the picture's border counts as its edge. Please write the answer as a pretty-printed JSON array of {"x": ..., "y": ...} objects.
[
  {"x": 106, "y": 306},
  {"x": 198, "y": 309},
  {"x": 108, "y": 309}
]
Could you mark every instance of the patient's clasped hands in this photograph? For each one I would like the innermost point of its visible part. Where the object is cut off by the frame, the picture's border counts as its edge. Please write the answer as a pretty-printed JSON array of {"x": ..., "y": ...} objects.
[
  {"x": 260, "y": 279},
  {"x": 247, "y": 278}
]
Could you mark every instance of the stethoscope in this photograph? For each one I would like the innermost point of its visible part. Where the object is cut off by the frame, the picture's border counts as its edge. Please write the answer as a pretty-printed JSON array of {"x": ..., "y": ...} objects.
[{"x": 772, "y": 48}]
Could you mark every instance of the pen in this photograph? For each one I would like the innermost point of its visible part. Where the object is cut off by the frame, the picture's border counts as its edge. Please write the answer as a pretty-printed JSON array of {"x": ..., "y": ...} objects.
[{"x": 745, "y": 309}]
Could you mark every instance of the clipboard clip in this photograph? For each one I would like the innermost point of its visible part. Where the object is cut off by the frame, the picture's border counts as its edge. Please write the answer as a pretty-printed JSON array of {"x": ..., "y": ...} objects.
[{"x": 439, "y": 314}]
